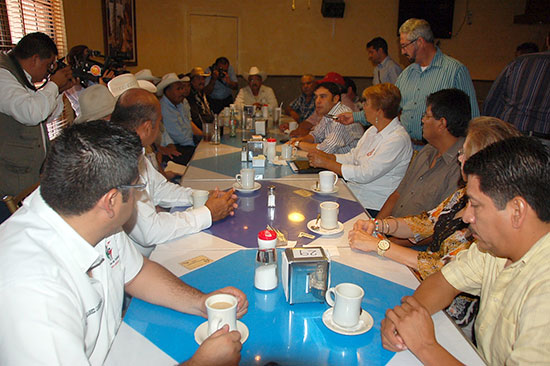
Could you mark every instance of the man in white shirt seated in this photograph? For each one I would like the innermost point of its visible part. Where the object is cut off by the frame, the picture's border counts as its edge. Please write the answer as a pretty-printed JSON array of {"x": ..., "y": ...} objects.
[
  {"x": 256, "y": 93},
  {"x": 66, "y": 261},
  {"x": 507, "y": 266},
  {"x": 329, "y": 136},
  {"x": 139, "y": 111}
]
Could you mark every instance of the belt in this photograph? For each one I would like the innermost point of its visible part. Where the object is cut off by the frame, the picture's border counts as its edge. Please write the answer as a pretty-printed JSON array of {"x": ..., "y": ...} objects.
[{"x": 418, "y": 142}]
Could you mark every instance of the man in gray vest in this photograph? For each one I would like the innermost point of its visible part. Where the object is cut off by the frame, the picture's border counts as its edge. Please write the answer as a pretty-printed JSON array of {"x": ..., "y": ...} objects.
[{"x": 24, "y": 108}]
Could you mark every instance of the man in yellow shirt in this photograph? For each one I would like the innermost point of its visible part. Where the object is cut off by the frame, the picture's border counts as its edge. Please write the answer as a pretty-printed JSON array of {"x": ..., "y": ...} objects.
[{"x": 508, "y": 267}]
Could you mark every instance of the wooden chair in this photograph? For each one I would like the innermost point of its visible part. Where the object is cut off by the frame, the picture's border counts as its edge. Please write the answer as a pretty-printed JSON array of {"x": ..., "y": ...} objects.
[{"x": 14, "y": 202}]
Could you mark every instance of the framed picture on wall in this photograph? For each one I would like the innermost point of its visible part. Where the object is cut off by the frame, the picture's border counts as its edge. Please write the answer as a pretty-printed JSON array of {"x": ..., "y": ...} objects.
[{"x": 119, "y": 30}]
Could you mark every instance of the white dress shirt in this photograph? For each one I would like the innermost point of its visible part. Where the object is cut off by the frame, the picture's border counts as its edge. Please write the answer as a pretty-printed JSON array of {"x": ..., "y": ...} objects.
[
  {"x": 61, "y": 297},
  {"x": 265, "y": 96},
  {"x": 152, "y": 227},
  {"x": 375, "y": 167}
]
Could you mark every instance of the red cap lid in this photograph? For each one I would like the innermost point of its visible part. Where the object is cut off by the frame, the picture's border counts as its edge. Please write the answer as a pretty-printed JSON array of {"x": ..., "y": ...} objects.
[
  {"x": 271, "y": 140},
  {"x": 267, "y": 235}
]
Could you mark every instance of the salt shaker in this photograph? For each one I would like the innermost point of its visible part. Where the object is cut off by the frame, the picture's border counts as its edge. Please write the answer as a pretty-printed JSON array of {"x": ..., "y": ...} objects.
[
  {"x": 271, "y": 196},
  {"x": 266, "y": 273}
]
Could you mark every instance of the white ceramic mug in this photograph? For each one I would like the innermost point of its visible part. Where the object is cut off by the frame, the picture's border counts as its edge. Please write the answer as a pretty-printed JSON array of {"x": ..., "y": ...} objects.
[
  {"x": 221, "y": 310},
  {"x": 292, "y": 125},
  {"x": 287, "y": 151},
  {"x": 346, "y": 304},
  {"x": 327, "y": 180},
  {"x": 329, "y": 215},
  {"x": 199, "y": 197},
  {"x": 246, "y": 178}
]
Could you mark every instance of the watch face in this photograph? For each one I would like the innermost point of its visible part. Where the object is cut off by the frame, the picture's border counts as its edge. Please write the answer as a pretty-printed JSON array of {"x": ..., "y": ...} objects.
[{"x": 384, "y": 244}]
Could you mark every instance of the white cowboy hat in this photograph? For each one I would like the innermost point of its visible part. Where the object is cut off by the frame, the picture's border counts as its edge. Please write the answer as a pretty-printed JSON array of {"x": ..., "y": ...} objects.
[
  {"x": 254, "y": 70},
  {"x": 147, "y": 85},
  {"x": 169, "y": 79},
  {"x": 121, "y": 83},
  {"x": 146, "y": 74},
  {"x": 96, "y": 102}
]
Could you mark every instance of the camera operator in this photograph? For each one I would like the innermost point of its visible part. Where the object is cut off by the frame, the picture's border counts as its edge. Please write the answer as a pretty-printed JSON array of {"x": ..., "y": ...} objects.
[
  {"x": 220, "y": 84},
  {"x": 78, "y": 59},
  {"x": 24, "y": 108}
]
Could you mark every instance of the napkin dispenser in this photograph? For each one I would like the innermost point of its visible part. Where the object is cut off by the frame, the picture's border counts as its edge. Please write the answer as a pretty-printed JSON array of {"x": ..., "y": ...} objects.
[{"x": 305, "y": 274}]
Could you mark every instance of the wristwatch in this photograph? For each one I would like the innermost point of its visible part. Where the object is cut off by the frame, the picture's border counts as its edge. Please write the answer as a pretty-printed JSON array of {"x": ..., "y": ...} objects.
[{"x": 383, "y": 246}]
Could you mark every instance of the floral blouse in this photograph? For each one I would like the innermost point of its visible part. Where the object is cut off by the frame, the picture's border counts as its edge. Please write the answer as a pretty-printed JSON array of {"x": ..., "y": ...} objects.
[{"x": 422, "y": 226}]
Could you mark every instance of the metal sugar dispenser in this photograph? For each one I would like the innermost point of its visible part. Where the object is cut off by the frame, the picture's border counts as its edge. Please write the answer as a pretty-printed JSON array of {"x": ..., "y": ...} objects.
[{"x": 266, "y": 274}]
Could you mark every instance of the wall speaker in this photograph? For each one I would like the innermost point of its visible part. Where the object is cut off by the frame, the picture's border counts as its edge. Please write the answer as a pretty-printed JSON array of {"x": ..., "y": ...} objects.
[{"x": 333, "y": 8}]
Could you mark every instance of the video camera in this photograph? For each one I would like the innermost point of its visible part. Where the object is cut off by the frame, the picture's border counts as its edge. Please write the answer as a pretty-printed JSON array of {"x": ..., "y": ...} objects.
[{"x": 91, "y": 70}]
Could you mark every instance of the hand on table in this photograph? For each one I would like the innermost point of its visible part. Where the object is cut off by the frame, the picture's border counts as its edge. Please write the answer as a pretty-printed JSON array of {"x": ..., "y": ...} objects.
[
  {"x": 299, "y": 132},
  {"x": 364, "y": 225},
  {"x": 414, "y": 327},
  {"x": 363, "y": 240},
  {"x": 220, "y": 349},
  {"x": 345, "y": 118},
  {"x": 221, "y": 204},
  {"x": 318, "y": 158}
]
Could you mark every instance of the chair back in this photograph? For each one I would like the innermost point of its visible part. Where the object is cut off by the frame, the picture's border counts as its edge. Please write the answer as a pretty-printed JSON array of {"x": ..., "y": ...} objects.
[{"x": 14, "y": 202}]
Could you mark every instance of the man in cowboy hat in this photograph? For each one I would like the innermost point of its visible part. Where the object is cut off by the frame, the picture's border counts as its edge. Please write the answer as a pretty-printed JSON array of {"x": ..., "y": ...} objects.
[
  {"x": 146, "y": 74},
  {"x": 176, "y": 116},
  {"x": 200, "y": 108},
  {"x": 96, "y": 102},
  {"x": 256, "y": 93}
]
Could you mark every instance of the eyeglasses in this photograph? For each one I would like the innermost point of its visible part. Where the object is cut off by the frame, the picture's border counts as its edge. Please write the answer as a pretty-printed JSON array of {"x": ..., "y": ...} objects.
[
  {"x": 408, "y": 44},
  {"x": 137, "y": 186}
]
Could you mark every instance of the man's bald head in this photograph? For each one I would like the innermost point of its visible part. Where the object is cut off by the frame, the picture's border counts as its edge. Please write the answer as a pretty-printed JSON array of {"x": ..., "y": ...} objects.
[{"x": 135, "y": 107}]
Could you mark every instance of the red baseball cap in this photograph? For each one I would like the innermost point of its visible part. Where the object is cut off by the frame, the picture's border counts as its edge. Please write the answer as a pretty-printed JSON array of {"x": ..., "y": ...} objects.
[{"x": 333, "y": 77}]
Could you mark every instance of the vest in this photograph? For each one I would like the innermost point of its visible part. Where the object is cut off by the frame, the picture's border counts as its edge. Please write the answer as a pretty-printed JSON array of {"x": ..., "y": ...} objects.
[{"x": 22, "y": 149}]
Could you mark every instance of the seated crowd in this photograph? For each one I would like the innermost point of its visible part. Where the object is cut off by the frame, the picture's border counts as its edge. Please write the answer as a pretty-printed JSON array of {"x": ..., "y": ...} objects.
[{"x": 428, "y": 169}]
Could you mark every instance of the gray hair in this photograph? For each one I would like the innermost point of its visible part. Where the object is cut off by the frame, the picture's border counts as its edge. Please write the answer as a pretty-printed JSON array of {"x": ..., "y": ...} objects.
[{"x": 415, "y": 28}]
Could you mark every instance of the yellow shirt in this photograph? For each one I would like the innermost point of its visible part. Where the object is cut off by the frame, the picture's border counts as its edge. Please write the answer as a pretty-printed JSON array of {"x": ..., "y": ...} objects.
[{"x": 513, "y": 324}]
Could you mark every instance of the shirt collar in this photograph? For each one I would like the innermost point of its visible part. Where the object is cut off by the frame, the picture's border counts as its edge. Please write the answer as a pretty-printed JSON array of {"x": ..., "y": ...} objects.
[
  {"x": 392, "y": 126},
  {"x": 437, "y": 61},
  {"x": 334, "y": 108},
  {"x": 538, "y": 249},
  {"x": 82, "y": 252},
  {"x": 384, "y": 62},
  {"x": 450, "y": 156}
]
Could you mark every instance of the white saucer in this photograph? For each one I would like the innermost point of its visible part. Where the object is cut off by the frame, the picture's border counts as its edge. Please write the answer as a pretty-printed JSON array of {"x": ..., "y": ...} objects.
[
  {"x": 239, "y": 188},
  {"x": 365, "y": 323},
  {"x": 201, "y": 333},
  {"x": 322, "y": 231},
  {"x": 317, "y": 190}
]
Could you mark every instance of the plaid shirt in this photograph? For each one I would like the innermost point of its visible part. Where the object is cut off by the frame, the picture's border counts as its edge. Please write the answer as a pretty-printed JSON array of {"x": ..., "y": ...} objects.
[{"x": 303, "y": 107}]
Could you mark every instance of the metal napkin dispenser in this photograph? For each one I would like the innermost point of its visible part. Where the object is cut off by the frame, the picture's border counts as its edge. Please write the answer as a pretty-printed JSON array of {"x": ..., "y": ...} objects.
[{"x": 305, "y": 274}]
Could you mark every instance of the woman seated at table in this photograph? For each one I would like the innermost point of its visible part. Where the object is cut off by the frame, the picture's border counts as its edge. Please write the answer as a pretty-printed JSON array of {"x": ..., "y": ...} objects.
[
  {"x": 375, "y": 167},
  {"x": 444, "y": 223}
]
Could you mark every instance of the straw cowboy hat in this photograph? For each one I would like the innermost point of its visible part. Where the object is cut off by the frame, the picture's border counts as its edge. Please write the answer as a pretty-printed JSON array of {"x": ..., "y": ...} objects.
[
  {"x": 170, "y": 79},
  {"x": 96, "y": 102},
  {"x": 121, "y": 83},
  {"x": 147, "y": 85},
  {"x": 254, "y": 70},
  {"x": 146, "y": 74},
  {"x": 198, "y": 71}
]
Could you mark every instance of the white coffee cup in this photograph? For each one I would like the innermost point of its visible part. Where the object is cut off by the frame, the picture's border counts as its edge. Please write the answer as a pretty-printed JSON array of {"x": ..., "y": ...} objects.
[
  {"x": 221, "y": 310},
  {"x": 292, "y": 125},
  {"x": 346, "y": 304},
  {"x": 329, "y": 215},
  {"x": 327, "y": 180},
  {"x": 199, "y": 197},
  {"x": 246, "y": 178},
  {"x": 287, "y": 151}
]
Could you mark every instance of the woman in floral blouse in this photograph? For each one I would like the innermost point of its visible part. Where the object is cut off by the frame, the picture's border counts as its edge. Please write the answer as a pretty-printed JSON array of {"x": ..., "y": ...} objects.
[{"x": 443, "y": 224}]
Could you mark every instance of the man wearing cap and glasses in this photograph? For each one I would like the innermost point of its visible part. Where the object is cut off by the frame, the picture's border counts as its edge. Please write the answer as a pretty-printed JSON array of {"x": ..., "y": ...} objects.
[{"x": 24, "y": 108}]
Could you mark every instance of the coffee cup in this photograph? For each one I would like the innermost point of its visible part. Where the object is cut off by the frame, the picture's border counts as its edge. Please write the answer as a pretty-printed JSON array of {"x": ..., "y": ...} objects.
[
  {"x": 346, "y": 304},
  {"x": 288, "y": 151},
  {"x": 246, "y": 178},
  {"x": 221, "y": 310},
  {"x": 292, "y": 125},
  {"x": 329, "y": 215},
  {"x": 199, "y": 197},
  {"x": 327, "y": 180}
]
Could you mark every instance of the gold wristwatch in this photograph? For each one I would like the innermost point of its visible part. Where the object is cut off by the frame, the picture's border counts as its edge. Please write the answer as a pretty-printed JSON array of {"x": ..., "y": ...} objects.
[{"x": 383, "y": 246}]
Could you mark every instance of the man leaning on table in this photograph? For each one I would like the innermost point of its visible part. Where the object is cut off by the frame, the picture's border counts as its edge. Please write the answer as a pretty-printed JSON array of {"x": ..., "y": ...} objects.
[
  {"x": 508, "y": 267},
  {"x": 139, "y": 111},
  {"x": 67, "y": 263}
]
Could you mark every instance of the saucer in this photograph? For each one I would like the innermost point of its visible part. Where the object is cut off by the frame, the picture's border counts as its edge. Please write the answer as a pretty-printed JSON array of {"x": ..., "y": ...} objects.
[
  {"x": 201, "y": 333},
  {"x": 322, "y": 231},
  {"x": 239, "y": 188},
  {"x": 365, "y": 323},
  {"x": 317, "y": 190}
]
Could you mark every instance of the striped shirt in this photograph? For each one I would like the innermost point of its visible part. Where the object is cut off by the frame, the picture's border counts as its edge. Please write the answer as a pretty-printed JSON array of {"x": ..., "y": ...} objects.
[
  {"x": 513, "y": 321},
  {"x": 521, "y": 94},
  {"x": 333, "y": 137},
  {"x": 444, "y": 72}
]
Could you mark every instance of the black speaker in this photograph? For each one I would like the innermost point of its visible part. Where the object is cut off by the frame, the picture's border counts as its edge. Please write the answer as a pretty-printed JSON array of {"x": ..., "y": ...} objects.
[
  {"x": 333, "y": 8},
  {"x": 439, "y": 13}
]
